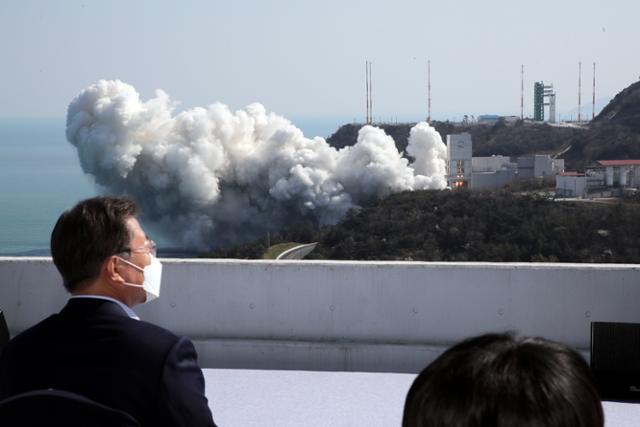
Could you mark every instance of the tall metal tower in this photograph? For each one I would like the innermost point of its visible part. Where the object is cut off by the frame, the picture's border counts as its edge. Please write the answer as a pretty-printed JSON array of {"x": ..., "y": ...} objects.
[
  {"x": 369, "y": 86},
  {"x": 366, "y": 86},
  {"x": 579, "y": 90},
  {"x": 593, "y": 100},
  {"x": 429, "y": 91},
  {"x": 522, "y": 92},
  {"x": 370, "y": 95}
]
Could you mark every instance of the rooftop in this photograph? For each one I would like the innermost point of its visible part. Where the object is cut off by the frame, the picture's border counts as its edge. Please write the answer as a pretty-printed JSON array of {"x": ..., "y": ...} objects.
[{"x": 625, "y": 162}]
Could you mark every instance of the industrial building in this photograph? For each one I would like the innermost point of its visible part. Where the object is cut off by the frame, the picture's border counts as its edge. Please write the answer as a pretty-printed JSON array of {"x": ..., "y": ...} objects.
[
  {"x": 621, "y": 173},
  {"x": 493, "y": 172},
  {"x": 466, "y": 171},
  {"x": 571, "y": 184},
  {"x": 539, "y": 166},
  {"x": 606, "y": 178},
  {"x": 459, "y": 160}
]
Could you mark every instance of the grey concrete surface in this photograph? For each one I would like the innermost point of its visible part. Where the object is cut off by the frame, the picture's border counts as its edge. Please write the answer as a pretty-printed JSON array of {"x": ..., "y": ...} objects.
[{"x": 373, "y": 316}]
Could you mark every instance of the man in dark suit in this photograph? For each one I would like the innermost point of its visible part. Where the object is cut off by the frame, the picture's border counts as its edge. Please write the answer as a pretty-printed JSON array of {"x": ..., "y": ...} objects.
[{"x": 97, "y": 346}]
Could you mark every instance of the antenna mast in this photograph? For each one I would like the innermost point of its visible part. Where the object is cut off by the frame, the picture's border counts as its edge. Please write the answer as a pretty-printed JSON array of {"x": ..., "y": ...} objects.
[
  {"x": 579, "y": 90},
  {"x": 522, "y": 92},
  {"x": 367, "y": 89},
  {"x": 370, "y": 96},
  {"x": 593, "y": 100},
  {"x": 429, "y": 91}
]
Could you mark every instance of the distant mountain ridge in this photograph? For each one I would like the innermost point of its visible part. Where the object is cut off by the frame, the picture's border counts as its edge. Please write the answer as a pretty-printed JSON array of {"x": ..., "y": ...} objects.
[{"x": 613, "y": 134}]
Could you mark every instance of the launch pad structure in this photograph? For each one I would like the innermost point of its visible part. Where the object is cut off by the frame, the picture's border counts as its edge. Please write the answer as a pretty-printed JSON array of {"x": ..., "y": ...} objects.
[{"x": 544, "y": 96}]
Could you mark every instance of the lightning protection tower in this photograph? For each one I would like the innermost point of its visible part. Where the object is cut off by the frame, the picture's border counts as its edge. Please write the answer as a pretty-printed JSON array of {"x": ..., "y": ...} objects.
[
  {"x": 429, "y": 91},
  {"x": 593, "y": 100},
  {"x": 579, "y": 91},
  {"x": 522, "y": 92},
  {"x": 369, "y": 118}
]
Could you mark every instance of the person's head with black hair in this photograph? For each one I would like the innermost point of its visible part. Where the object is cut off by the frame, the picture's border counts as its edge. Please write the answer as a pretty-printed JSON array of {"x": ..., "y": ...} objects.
[
  {"x": 499, "y": 380},
  {"x": 100, "y": 248},
  {"x": 87, "y": 234}
]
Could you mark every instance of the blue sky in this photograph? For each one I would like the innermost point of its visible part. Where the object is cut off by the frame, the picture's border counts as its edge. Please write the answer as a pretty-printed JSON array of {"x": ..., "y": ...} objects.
[{"x": 303, "y": 58}]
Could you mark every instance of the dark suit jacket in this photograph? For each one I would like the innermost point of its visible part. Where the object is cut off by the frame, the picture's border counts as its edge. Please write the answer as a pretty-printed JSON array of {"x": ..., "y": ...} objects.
[{"x": 94, "y": 349}]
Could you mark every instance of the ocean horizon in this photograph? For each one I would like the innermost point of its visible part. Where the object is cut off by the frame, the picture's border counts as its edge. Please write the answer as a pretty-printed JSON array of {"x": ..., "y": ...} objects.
[{"x": 41, "y": 177}]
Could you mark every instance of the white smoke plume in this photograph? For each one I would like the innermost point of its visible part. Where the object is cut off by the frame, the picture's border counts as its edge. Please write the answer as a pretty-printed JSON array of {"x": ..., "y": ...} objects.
[{"x": 213, "y": 177}]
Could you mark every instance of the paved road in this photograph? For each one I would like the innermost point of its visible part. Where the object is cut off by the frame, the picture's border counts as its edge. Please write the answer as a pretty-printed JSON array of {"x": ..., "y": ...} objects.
[{"x": 297, "y": 252}]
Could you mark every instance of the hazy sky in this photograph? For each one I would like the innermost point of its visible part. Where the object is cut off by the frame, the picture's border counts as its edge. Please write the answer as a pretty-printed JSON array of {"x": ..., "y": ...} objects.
[{"x": 302, "y": 58}]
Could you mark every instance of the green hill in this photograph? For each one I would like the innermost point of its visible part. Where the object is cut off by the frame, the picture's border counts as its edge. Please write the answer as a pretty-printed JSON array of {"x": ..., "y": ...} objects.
[
  {"x": 472, "y": 226},
  {"x": 478, "y": 226}
]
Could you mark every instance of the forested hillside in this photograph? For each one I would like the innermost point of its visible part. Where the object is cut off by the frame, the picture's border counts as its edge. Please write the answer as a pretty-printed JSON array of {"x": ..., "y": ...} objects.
[{"x": 473, "y": 226}]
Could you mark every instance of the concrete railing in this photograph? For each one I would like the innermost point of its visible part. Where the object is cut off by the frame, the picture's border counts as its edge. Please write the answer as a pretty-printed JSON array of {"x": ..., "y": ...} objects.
[{"x": 362, "y": 316}]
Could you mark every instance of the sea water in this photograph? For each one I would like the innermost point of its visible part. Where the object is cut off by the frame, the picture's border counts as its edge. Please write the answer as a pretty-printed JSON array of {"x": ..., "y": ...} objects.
[{"x": 41, "y": 177}]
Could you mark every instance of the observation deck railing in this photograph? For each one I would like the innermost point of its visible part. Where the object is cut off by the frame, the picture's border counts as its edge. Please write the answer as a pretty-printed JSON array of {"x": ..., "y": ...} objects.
[{"x": 350, "y": 316}]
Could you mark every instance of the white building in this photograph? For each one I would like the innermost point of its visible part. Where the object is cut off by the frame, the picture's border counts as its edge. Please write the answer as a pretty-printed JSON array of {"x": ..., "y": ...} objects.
[
  {"x": 459, "y": 160},
  {"x": 571, "y": 184},
  {"x": 492, "y": 172},
  {"x": 605, "y": 180},
  {"x": 491, "y": 164},
  {"x": 539, "y": 166},
  {"x": 621, "y": 173},
  {"x": 496, "y": 179},
  {"x": 465, "y": 171}
]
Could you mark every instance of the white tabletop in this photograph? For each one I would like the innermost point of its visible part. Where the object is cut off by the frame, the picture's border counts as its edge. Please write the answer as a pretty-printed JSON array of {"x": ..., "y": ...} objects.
[{"x": 302, "y": 398}]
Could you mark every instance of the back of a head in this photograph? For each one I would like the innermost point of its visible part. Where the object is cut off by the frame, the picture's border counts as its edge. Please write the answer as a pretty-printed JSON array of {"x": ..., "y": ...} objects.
[
  {"x": 87, "y": 234},
  {"x": 498, "y": 380}
]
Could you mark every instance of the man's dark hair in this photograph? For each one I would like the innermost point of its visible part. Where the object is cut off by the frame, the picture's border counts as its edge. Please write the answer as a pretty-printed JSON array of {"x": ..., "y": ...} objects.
[
  {"x": 87, "y": 234},
  {"x": 498, "y": 380}
]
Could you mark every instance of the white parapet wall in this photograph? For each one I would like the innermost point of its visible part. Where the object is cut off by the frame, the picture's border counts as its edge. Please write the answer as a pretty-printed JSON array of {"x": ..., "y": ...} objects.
[{"x": 350, "y": 316}]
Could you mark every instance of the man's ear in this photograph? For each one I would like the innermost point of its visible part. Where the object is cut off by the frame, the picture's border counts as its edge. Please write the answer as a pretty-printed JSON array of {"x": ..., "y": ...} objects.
[{"x": 110, "y": 271}]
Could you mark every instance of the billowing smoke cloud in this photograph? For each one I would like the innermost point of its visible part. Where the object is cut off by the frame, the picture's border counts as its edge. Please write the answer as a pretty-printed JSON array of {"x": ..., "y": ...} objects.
[{"x": 214, "y": 177}]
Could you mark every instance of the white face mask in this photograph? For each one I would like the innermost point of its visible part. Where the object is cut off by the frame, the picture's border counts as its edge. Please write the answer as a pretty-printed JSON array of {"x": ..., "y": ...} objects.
[{"x": 152, "y": 277}]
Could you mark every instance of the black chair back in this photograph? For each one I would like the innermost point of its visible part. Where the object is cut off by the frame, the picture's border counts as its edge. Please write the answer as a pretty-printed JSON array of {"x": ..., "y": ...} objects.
[
  {"x": 615, "y": 360},
  {"x": 4, "y": 332},
  {"x": 60, "y": 408}
]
